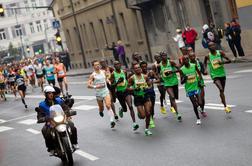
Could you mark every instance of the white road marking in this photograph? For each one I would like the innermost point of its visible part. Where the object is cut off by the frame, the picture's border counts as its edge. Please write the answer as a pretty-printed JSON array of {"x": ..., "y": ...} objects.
[
  {"x": 85, "y": 107},
  {"x": 42, "y": 97},
  {"x": 28, "y": 121},
  {"x": 4, "y": 128},
  {"x": 2, "y": 121},
  {"x": 168, "y": 102},
  {"x": 249, "y": 111},
  {"x": 219, "y": 105},
  {"x": 213, "y": 108},
  {"x": 21, "y": 117},
  {"x": 78, "y": 83},
  {"x": 244, "y": 71},
  {"x": 86, "y": 155},
  {"x": 33, "y": 131}
]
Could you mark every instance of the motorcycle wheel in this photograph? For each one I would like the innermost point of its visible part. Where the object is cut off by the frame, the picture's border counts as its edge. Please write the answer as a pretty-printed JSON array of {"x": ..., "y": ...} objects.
[{"x": 67, "y": 159}]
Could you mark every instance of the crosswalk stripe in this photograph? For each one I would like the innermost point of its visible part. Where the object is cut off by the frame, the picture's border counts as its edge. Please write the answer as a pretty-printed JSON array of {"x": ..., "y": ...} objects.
[
  {"x": 168, "y": 102},
  {"x": 249, "y": 111},
  {"x": 33, "y": 131},
  {"x": 244, "y": 71},
  {"x": 218, "y": 105},
  {"x": 28, "y": 121},
  {"x": 86, "y": 155},
  {"x": 214, "y": 108},
  {"x": 85, "y": 107},
  {"x": 2, "y": 121},
  {"x": 5, "y": 128}
]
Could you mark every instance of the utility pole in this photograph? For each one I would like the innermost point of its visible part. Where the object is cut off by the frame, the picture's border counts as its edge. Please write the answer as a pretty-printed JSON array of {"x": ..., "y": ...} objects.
[
  {"x": 78, "y": 34},
  {"x": 115, "y": 19}
]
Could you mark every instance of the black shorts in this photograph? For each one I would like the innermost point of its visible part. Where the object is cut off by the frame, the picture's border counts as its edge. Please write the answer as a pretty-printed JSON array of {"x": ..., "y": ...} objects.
[
  {"x": 60, "y": 79},
  {"x": 22, "y": 88},
  {"x": 175, "y": 90},
  {"x": 122, "y": 95},
  {"x": 222, "y": 80},
  {"x": 12, "y": 84},
  {"x": 40, "y": 76},
  {"x": 2, "y": 86},
  {"x": 140, "y": 100},
  {"x": 51, "y": 82}
]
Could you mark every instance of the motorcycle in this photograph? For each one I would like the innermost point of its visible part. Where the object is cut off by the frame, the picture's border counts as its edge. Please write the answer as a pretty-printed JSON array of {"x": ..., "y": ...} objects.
[{"x": 61, "y": 133}]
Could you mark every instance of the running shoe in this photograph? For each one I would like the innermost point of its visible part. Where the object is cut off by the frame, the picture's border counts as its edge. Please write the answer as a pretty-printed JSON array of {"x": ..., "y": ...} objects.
[
  {"x": 101, "y": 114},
  {"x": 116, "y": 117},
  {"x": 198, "y": 122},
  {"x": 147, "y": 132},
  {"x": 112, "y": 124},
  {"x": 152, "y": 123},
  {"x": 26, "y": 106},
  {"x": 163, "y": 110},
  {"x": 228, "y": 110},
  {"x": 135, "y": 126},
  {"x": 172, "y": 109},
  {"x": 203, "y": 113},
  {"x": 179, "y": 117},
  {"x": 121, "y": 112}
]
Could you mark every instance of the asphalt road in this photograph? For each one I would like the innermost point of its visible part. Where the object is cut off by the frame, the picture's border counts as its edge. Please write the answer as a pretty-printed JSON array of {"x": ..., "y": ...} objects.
[{"x": 218, "y": 141}]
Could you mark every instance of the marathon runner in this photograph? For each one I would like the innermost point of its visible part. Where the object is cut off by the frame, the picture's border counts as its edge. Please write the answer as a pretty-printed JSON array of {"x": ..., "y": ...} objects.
[
  {"x": 217, "y": 71},
  {"x": 97, "y": 81},
  {"x": 39, "y": 74},
  {"x": 49, "y": 73},
  {"x": 21, "y": 86},
  {"x": 60, "y": 70}
]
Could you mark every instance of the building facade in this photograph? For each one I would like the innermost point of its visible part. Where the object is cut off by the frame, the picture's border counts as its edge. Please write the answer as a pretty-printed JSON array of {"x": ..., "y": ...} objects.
[
  {"x": 162, "y": 17},
  {"x": 27, "y": 28},
  {"x": 99, "y": 23}
]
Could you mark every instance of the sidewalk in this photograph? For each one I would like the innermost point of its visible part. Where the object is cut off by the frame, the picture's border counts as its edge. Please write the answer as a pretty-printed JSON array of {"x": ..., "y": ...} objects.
[{"x": 88, "y": 71}]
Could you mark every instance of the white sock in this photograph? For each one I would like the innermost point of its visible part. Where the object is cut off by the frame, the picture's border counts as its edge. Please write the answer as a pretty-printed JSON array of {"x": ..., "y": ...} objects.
[{"x": 111, "y": 114}]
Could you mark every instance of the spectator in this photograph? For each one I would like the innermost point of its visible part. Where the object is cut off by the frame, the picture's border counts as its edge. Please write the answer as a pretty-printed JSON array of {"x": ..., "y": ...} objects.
[
  {"x": 121, "y": 53},
  {"x": 236, "y": 28},
  {"x": 136, "y": 57},
  {"x": 208, "y": 36},
  {"x": 179, "y": 39},
  {"x": 114, "y": 49},
  {"x": 190, "y": 36},
  {"x": 230, "y": 39},
  {"x": 217, "y": 38}
]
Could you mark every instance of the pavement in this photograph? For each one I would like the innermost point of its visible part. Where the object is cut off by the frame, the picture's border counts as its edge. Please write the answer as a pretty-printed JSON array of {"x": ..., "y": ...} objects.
[
  {"x": 88, "y": 71},
  {"x": 220, "y": 140}
]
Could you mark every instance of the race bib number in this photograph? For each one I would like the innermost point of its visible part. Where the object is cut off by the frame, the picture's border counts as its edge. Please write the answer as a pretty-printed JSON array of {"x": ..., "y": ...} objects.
[
  {"x": 49, "y": 74},
  {"x": 216, "y": 63},
  {"x": 167, "y": 73},
  {"x": 141, "y": 85},
  {"x": 191, "y": 78},
  {"x": 61, "y": 73},
  {"x": 122, "y": 83}
]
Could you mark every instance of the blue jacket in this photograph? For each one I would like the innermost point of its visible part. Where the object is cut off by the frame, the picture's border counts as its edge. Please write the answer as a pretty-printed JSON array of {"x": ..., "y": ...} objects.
[{"x": 46, "y": 108}]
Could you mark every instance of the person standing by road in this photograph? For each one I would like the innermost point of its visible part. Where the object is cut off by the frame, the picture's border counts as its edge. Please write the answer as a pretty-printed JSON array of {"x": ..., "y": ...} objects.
[
  {"x": 179, "y": 39},
  {"x": 121, "y": 53},
  {"x": 190, "y": 35},
  {"x": 236, "y": 28},
  {"x": 114, "y": 49}
]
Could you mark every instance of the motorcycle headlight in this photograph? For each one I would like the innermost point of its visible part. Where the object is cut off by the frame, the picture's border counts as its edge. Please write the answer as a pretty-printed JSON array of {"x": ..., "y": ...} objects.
[{"x": 58, "y": 119}]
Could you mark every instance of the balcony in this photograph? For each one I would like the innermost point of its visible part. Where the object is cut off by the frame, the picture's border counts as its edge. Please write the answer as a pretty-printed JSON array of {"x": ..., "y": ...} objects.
[{"x": 137, "y": 2}]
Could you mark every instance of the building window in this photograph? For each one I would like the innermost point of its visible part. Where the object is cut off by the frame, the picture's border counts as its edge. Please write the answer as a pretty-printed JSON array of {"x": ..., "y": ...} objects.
[
  {"x": 69, "y": 41},
  {"x": 39, "y": 27},
  {"x": 138, "y": 24},
  {"x": 124, "y": 27},
  {"x": 45, "y": 24},
  {"x": 18, "y": 30},
  {"x": 32, "y": 27},
  {"x": 2, "y": 34},
  {"x": 181, "y": 10},
  {"x": 87, "y": 39},
  {"x": 103, "y": 31},
  {"x": 94, "y": 34}
]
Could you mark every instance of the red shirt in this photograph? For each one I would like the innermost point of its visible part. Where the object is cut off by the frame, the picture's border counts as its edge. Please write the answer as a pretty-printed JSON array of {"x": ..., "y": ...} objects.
[{"x": 190, "y": 36}]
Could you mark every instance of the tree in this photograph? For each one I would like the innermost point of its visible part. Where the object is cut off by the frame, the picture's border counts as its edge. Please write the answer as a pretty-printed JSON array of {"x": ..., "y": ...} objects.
[{"x": 12, "y": 51}]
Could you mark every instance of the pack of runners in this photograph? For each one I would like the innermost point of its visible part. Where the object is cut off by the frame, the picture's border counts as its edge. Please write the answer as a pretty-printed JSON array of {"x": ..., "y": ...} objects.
[
  {"x": 137, "y": 86},
  {"x": 17, "y": 76}
]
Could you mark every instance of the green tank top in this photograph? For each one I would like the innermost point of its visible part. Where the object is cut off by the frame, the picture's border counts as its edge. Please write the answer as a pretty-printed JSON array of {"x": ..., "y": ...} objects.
[
  {"x": 192, "y": 78},
  {"x": 171, "y": 79},
  {"x": 121, "y": 87},
  {"x": 139, "y": 83},
  {"x": 216, "y": 70},
  {"x": 202, "y": 83}
]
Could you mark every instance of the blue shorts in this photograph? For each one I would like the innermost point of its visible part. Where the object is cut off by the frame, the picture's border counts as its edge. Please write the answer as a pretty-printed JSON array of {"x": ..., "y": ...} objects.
[{"x": 192, "y": 93}]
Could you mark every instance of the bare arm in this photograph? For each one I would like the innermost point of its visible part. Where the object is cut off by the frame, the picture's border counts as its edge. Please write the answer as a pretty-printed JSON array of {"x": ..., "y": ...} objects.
[
  {"x": 90, "y": 82},
  {"x": 225, "y": 57},
  {"x": 205, "y": 63}
]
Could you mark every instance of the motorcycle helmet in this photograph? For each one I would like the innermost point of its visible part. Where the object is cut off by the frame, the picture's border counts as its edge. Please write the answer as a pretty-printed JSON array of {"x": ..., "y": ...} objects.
[{"x": 48, "y": 89}]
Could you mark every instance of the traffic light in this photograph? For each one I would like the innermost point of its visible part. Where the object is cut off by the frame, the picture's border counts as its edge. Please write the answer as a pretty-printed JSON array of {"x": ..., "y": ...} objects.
[
  {"x": 58, "y": 39},
  {"x": 1, "y": 10},
  {"x": 28, "y": 49}
]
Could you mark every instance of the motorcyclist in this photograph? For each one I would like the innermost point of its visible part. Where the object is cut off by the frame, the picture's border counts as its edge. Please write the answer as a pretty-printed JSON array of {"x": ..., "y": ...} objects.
[{"x": 44, "y": 113}]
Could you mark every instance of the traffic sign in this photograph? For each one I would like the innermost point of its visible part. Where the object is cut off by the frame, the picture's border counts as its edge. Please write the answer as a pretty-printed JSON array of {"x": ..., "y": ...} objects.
[{"x": 56, "y": 24}]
